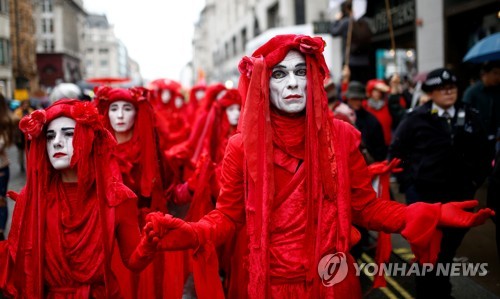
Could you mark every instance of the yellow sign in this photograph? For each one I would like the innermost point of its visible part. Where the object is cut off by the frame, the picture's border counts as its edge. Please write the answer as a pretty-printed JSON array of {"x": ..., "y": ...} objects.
[{"x": 21, "y": 94}]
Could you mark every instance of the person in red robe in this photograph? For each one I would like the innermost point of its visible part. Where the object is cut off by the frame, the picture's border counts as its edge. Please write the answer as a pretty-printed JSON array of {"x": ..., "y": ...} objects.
[
  {"x": 200, "y": 191},
  {"x": 72, "y": 212},
  {"x": 172, "y": 121},
  {"x": 196, "y": 94},
  {"x": 128, "y": 115},
  {"x": 297, "y": 179},
  {"x": 182, "y": 158}
]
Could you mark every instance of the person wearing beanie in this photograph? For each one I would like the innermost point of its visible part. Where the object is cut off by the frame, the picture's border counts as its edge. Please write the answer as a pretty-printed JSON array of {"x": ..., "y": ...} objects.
[
  {"x": 376, "y": 104},
  {"x": 72, "y": 212},
  {"x": 295, "y": 177},
  {"x": 372, "y": 134},
  {"x": 445, "y": 158},
  {"x": 128, "y": 115}
]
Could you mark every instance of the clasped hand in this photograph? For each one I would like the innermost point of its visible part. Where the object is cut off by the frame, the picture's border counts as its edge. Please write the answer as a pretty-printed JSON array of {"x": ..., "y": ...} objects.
[{"x": 170, "y": 233}]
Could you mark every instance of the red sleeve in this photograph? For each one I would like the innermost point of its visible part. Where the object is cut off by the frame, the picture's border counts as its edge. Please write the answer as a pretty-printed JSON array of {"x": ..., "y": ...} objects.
[
  {"x": 417, "y": 222},
  {"x": 129, "y": 237},
  {"x": 367, "y": 210}
]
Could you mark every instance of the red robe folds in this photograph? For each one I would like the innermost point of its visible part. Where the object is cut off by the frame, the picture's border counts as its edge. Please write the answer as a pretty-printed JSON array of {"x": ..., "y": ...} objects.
[{"x": 289, "y": 258}]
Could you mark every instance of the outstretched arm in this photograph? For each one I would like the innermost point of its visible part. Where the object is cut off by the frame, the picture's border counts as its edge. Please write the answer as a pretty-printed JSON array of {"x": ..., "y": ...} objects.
[
  {"x": 218, "y": 225},
  {"x": 419, "y": 223},
  {"x": 136, "y": 251}
]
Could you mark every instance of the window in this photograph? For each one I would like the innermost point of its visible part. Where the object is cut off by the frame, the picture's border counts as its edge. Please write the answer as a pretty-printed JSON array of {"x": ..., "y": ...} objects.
[
  {"x": 47, "y": 25},
  {"x": 235, "y": 48},
  {"x": 49, "y": 70},
  {"x": 4, "y": 6},
  {"x": 243, "y": 38},
  {"x": 47, "y": 6},
  {"x": 90, "y": 50},
  {"x": 104, "y": 63},
  {"x": 2, "y": 53},
  {"x": 300, "y": 12},
  {"x": 48, "y": 45},
  {"x": 272, "y": 16},
  {"x": 103, "y": 51}
]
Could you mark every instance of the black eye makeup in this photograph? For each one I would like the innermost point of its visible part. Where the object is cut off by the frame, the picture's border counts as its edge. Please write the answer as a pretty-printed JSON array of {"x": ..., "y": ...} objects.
[
  {"x": 278, "y": 74},
  {"x": 50, "y": 135},
  {"x": 281, "y": 71}
]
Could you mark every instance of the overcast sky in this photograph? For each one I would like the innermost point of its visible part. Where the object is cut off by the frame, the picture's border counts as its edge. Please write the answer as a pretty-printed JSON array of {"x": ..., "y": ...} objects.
[{"x": 157, "y": 33}]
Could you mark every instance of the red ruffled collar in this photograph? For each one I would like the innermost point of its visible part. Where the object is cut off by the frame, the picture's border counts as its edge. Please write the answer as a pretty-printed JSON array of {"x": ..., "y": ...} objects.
[{"x": 289, "y": 133}]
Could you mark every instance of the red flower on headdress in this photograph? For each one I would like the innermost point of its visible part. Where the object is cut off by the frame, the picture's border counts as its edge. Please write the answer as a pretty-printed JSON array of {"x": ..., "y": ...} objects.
[
  {"x": 246, "y": 66},
  {"x": 85, "y": 113},
  {"x": 139, "y": 93},
  {"x": 102, "y": 93},
  {"x": 32, "y": 124},
  {"x": 310, "y": 45}
]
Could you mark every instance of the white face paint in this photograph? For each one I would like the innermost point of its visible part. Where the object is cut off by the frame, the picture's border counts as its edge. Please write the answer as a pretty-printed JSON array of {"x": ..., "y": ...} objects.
[
  {"x": 165, "y": 96},
  {"x": 121, "y": 116},
  {"x": 199, "y": 94},
  {"x": 59, "y": 137},
  {"x": 287, "y": 86},
  {"x": 179, "y": 102},
  {"x": 233, "y": 114},
  {"x": 221, "y": 94}
]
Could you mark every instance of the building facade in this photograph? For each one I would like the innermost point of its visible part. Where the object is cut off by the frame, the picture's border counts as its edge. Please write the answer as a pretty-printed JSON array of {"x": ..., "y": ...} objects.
[
  {"x": 428, "y": 33},
  {"x": 23, "y": 48},
  {"x": 105, "y": 54},
  {"x": 228, "y": 30},
  {"x": 5, "y": 52},
  {"x": 59, "y": 30}
]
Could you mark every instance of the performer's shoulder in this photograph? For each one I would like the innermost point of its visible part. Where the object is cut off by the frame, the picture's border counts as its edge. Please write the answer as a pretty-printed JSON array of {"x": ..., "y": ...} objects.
[
  {"x": 345, "y": 127},
  {"x": 235, "y": 143},
  {"x": 236, "y": 140}
]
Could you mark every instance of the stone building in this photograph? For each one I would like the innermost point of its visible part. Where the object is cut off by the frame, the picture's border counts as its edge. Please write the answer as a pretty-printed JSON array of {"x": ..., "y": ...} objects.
[{"x": 23, "y": 47}]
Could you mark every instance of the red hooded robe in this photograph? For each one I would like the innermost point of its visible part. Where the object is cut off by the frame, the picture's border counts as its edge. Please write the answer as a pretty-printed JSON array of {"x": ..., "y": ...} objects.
[
  {"x": 299, "y": 183},
  {"x": 141, "y": 171},
  {"x": 63, "y": 234}
]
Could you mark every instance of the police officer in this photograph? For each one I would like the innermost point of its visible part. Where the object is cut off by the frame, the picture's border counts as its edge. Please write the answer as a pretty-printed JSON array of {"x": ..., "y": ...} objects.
[{"x": 444, "y": 152}]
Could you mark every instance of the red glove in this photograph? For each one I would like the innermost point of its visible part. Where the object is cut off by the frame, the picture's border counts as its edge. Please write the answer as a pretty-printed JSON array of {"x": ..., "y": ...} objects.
[
  {"x": 147, "y": 246},
  {"x": 453, "y": 214},
  {"x": 174, "y": 233},
  {"x": 379, "y": 168}
]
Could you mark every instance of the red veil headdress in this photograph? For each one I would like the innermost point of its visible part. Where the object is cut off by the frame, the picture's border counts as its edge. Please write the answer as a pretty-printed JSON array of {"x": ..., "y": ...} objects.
[
  {"x": 91, "y": 143},
  {"x": 160, "y": 85},
  {"x": 144, "y": 139},
  {"x": 192, "y": 106},
  {"x": 214, "y": 144},
  {"x": 327, "y": 176}
]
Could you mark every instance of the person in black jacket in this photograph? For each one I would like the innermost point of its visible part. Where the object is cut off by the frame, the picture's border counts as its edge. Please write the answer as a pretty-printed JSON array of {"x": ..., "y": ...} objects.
[
  {"x": 445, "y": 158},
  {"x": 372, "y": 135}
]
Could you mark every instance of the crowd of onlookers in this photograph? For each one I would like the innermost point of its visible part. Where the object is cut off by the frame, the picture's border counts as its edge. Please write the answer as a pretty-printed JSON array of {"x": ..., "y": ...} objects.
[{"x": 448, "y": 144}]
